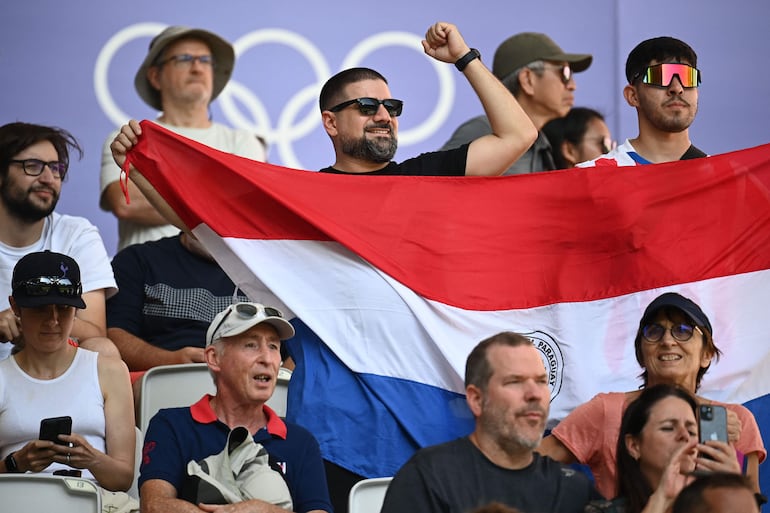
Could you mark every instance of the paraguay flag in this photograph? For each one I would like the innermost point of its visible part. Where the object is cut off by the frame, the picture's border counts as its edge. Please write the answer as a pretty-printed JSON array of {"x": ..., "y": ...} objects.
[{"x": 395, "y": 279}]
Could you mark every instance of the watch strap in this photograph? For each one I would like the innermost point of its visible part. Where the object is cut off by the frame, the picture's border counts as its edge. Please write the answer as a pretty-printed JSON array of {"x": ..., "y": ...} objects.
[
  {"x": 463, "y": 61},
  {"x": 10, "y": 464}
]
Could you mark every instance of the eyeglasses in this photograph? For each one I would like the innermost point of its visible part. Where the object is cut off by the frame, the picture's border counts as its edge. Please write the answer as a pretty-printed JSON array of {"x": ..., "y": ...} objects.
[
  {"x": 246, "y": 311},
  {"x": 43, "y": 286},
  {"x": 653, "y": 333},
  {"x": 34, "y": 167},
  {"x": 607, "y": 144},
  {"x": 563, "y": 71},
  {"x": 370, "y": 106},
  {"x": 661, "y": 75},
  {"x": 185, "y": 60}
]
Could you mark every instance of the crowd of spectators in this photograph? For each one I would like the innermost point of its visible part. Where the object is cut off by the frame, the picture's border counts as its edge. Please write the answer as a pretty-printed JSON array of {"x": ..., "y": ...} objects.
[{"x": 70, "y": 320}]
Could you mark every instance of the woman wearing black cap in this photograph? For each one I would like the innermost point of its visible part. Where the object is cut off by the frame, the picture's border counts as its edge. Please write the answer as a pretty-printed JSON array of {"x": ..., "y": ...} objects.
[
  {"x": 674, "y": 345},
  {"x": 52, "y": 378}
]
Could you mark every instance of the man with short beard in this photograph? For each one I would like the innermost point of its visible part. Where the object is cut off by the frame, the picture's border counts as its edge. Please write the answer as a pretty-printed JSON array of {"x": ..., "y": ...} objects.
[
  {"x": 663, "y": 81},
  {"x": 34, "y": 160},
  {"x": 361, "y": 118},
  {"x": 506, "y": 387}
]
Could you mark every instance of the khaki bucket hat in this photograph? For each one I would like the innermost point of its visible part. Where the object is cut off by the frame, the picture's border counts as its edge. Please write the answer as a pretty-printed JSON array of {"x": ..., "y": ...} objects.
[{"x": 221, "y": 50}]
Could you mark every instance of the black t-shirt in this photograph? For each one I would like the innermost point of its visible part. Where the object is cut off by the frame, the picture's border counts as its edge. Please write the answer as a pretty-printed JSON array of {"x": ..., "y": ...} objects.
[
  {"x": 692, "y": 153},
  {"x": 456, "y": 477},
  {"x": 437, "y": 163},
  {"x": 167, "y": 295}
]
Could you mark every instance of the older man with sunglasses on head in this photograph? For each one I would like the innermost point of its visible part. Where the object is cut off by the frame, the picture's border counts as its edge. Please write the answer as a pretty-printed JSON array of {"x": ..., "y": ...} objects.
[
  {"x": 541, "y": 76},
  {"x": 663, "y": 81},
  {"x": 243, "y": 353},
  {"x": 361, "y": 118}
]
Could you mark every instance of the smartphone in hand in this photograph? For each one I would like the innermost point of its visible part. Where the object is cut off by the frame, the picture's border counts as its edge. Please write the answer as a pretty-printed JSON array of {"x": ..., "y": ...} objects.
[
  {"x": 712, "y": 423},
  {"x": 51, "y": 428}
]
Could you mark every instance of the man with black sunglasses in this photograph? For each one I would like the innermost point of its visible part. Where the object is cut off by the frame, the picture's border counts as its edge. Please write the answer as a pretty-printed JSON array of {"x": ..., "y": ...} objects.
[
  {"x": 34, "y": 161},
  {"x": 184, "y": 71},
  {"x": 361, "y": 118},
  {"x": 663, "y": 80},
  {"x": 541, "y": 77}
]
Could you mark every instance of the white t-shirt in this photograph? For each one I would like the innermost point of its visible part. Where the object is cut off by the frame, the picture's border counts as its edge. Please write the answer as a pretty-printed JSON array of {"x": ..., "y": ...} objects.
[
  {"x": 232, "y": 140},
  {"x": 623, "y": 155},
  {"x": 70, "y": 235}
]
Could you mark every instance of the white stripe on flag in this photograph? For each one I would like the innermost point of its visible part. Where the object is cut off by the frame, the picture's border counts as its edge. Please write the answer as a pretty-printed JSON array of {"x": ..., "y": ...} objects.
[{"x": 376, "y": 325}]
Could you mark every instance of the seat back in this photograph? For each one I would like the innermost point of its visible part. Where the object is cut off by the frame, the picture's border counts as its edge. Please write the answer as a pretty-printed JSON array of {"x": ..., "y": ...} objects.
[
  {"x": 169, "y": 386},
  {"x": 368, "y": 495},
  {"x": 134, "y": 490},
  {"x": 43, "y": 493},
  {"x": 277, "y": 401}
]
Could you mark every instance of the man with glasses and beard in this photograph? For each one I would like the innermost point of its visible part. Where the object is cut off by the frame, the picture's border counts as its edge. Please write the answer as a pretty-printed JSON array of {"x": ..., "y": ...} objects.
[
  {"x": 541, "y": 77},
  {"x": 506, "y": 387},
  {"x": 34, "y": 160},
  {"x": 663, "y": 81},
  {"x": 361, "y": 118}
]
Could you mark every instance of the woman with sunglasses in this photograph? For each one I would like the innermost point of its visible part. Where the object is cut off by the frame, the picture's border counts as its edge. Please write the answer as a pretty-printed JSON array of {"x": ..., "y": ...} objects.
[
  {"x": 674, "y": 345},
  {"x": 579, "y": 136},
  {"x": 52, "y": 377},
  {"x": 658, "y": 452}
]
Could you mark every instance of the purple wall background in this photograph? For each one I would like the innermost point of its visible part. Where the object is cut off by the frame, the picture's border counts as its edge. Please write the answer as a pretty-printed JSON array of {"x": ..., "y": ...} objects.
[{"x": 49, "y": 51}]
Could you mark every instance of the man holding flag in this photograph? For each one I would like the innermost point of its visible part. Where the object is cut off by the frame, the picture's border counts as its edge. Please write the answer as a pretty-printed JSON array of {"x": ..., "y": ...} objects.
[{"x": 361, "y": 118}]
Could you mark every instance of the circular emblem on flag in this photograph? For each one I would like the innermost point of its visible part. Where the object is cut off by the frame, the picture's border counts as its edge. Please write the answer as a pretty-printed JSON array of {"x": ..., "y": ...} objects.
[{"x": 552, "y": 359}]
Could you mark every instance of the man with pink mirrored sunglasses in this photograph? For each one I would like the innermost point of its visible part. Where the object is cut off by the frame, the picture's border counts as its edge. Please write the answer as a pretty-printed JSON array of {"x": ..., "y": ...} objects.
[{"x": 663, "y": 81}]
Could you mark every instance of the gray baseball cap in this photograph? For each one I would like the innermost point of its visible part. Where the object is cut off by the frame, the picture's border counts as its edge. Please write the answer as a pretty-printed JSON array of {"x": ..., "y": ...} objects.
[{"x": 519, "y": 50}]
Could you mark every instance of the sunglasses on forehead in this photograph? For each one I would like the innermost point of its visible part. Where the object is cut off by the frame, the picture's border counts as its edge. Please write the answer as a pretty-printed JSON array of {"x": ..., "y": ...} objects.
[
  {"x": 661, "y": 75},
  {"x": 370, "y": 106},
  {"x": 43, "y": 286},
  {"x": 247, "y": 311}
]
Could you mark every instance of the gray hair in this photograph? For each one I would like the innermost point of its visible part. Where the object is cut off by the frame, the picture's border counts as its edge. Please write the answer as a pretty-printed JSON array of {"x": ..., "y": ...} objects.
[{"x": 511, "y": 81}]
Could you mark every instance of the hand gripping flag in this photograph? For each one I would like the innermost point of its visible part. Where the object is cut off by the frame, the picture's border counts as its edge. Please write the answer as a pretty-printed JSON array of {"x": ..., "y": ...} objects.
[{"x": 397, "y": 278}]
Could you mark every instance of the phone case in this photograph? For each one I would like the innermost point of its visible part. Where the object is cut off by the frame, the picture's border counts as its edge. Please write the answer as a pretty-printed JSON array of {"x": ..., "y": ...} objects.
[
  {"x": 52, "y": 427},
  {"x": 712, "y": 423}
]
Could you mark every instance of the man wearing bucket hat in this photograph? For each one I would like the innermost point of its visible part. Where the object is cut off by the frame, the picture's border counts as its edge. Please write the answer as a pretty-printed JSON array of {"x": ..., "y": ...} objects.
[
  {"x": 243, "y": 345},
  {"x": 540, "y": 75},
  {"x": 184, "y": 71},
  {"x": 663, "y": 80}
]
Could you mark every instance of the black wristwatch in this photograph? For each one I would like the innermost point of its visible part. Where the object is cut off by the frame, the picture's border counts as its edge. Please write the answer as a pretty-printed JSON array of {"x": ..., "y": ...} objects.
[
  {"x": 463, "y": 61},
  {"x": 11, "y": 465}
]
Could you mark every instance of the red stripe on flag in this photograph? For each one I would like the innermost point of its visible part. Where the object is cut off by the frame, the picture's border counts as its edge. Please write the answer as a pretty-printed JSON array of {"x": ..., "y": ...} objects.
[{"x": 491, "y": 243}]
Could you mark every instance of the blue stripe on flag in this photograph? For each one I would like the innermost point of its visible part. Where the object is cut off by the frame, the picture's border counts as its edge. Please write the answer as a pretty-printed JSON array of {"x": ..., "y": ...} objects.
[
  {"x": 362, "y": 403},
  {"x": 760, "y": 407}
]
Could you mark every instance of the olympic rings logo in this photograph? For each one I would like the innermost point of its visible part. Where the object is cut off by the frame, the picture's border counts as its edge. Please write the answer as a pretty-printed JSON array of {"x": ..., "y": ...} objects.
[{"x": 282, "y": 134}]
